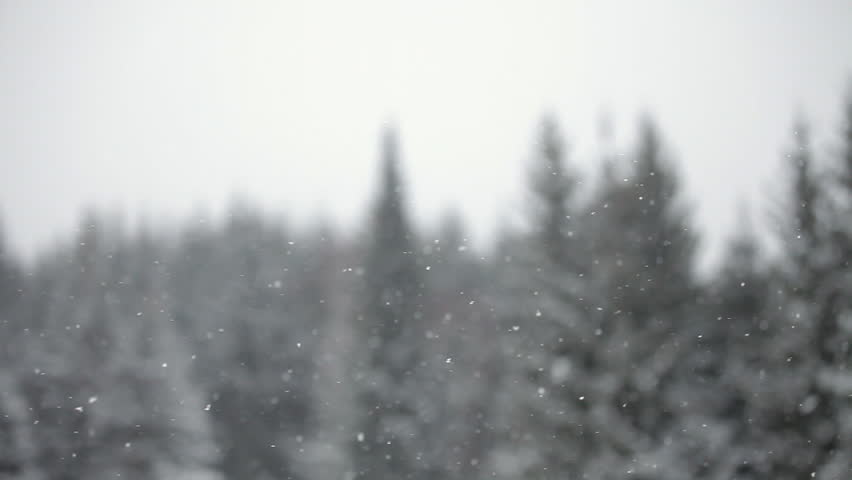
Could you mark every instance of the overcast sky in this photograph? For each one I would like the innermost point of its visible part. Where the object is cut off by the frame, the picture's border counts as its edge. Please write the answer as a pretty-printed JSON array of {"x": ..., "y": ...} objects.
[{"x": 163, "y": 106}]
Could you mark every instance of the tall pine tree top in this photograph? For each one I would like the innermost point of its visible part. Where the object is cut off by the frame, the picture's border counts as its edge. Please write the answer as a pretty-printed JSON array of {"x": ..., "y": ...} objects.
[
  {"x": 390, "y": 225},
  {"x": 391, "y": 433},
  {"x": 553, "y": 185},
  {"x": 392, "y": 283},
  {"x": 799, "y": 232}
]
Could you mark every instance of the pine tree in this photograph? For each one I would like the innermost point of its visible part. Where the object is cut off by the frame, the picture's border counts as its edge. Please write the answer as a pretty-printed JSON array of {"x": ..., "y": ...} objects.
[
  {"x": 153, "y": 404},
  {"x": 17, "y": 442},
  {"x": 74, "y": 345},
  {"x": 327, "y": 281},
  {"x": 389, "y": 442},
  {"x": 799, "y": 411},
  {"x": 548, "y": 337},
  {"x": 837, "y": 377},
  {"x": 458, "y": 332},
  {"x": 831, "y": 280},
  {"x": 10, "y": 275},
  {"x": 726, "y": 366},
  {"x": 247, "y": 308},
  {"x": 107, "y": 377},
  {"x": 643, "y": 272}
]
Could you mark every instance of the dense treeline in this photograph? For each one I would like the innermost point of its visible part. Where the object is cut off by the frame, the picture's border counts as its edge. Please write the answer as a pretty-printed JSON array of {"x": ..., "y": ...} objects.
[{"x": 583, "y": 346}]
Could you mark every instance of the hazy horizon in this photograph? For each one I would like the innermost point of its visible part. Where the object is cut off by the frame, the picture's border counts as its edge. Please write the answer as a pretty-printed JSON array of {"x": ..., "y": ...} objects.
[{"x": 159, "y": 108}]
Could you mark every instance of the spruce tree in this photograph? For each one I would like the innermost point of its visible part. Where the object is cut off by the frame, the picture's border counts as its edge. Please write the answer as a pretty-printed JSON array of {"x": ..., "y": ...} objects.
[
  {"x": 542, "y": 409},
  {"x": 154, "y": 404},
  {"x": 248, "y": 308},
  {"x": 389, "y": 442},
  {"x": 727, "y": 360},
  {"x": 643, "y": 271},
  {"x": 17, "y": 442},
  {"x": 799, "y": 411},
  {"x": 459, "y": 331},
  {"x": 832, "y": 284}
]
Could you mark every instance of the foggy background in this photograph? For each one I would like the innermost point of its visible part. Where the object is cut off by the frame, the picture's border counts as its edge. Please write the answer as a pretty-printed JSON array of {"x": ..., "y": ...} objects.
[
  {"x": 163, "y": 107},
  {"x": 425, "y": 240}
]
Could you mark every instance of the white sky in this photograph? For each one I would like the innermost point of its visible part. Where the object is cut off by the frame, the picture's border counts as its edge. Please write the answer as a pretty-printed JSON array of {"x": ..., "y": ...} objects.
[{"x": 160, "y": 107}]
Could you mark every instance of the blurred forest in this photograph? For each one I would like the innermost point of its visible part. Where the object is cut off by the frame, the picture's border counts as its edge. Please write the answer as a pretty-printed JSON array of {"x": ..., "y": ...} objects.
[{"x": 580, "y": 346}]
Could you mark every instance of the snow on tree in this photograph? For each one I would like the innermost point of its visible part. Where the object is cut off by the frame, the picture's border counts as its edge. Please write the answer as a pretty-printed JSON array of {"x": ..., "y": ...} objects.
[
  {"x": 548, "y": 337},
  {"x": 643, "y": 273},
  {"x": 393, "y": 409},
  {"x": 17, "y": 443},
  {"x": 249, "y": 310},
  {"x": 107, "y": 378}
]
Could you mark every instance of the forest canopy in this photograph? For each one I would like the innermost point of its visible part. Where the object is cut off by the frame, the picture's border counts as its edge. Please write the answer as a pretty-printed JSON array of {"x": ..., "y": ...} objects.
[{"x": 583, "y": 345}]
